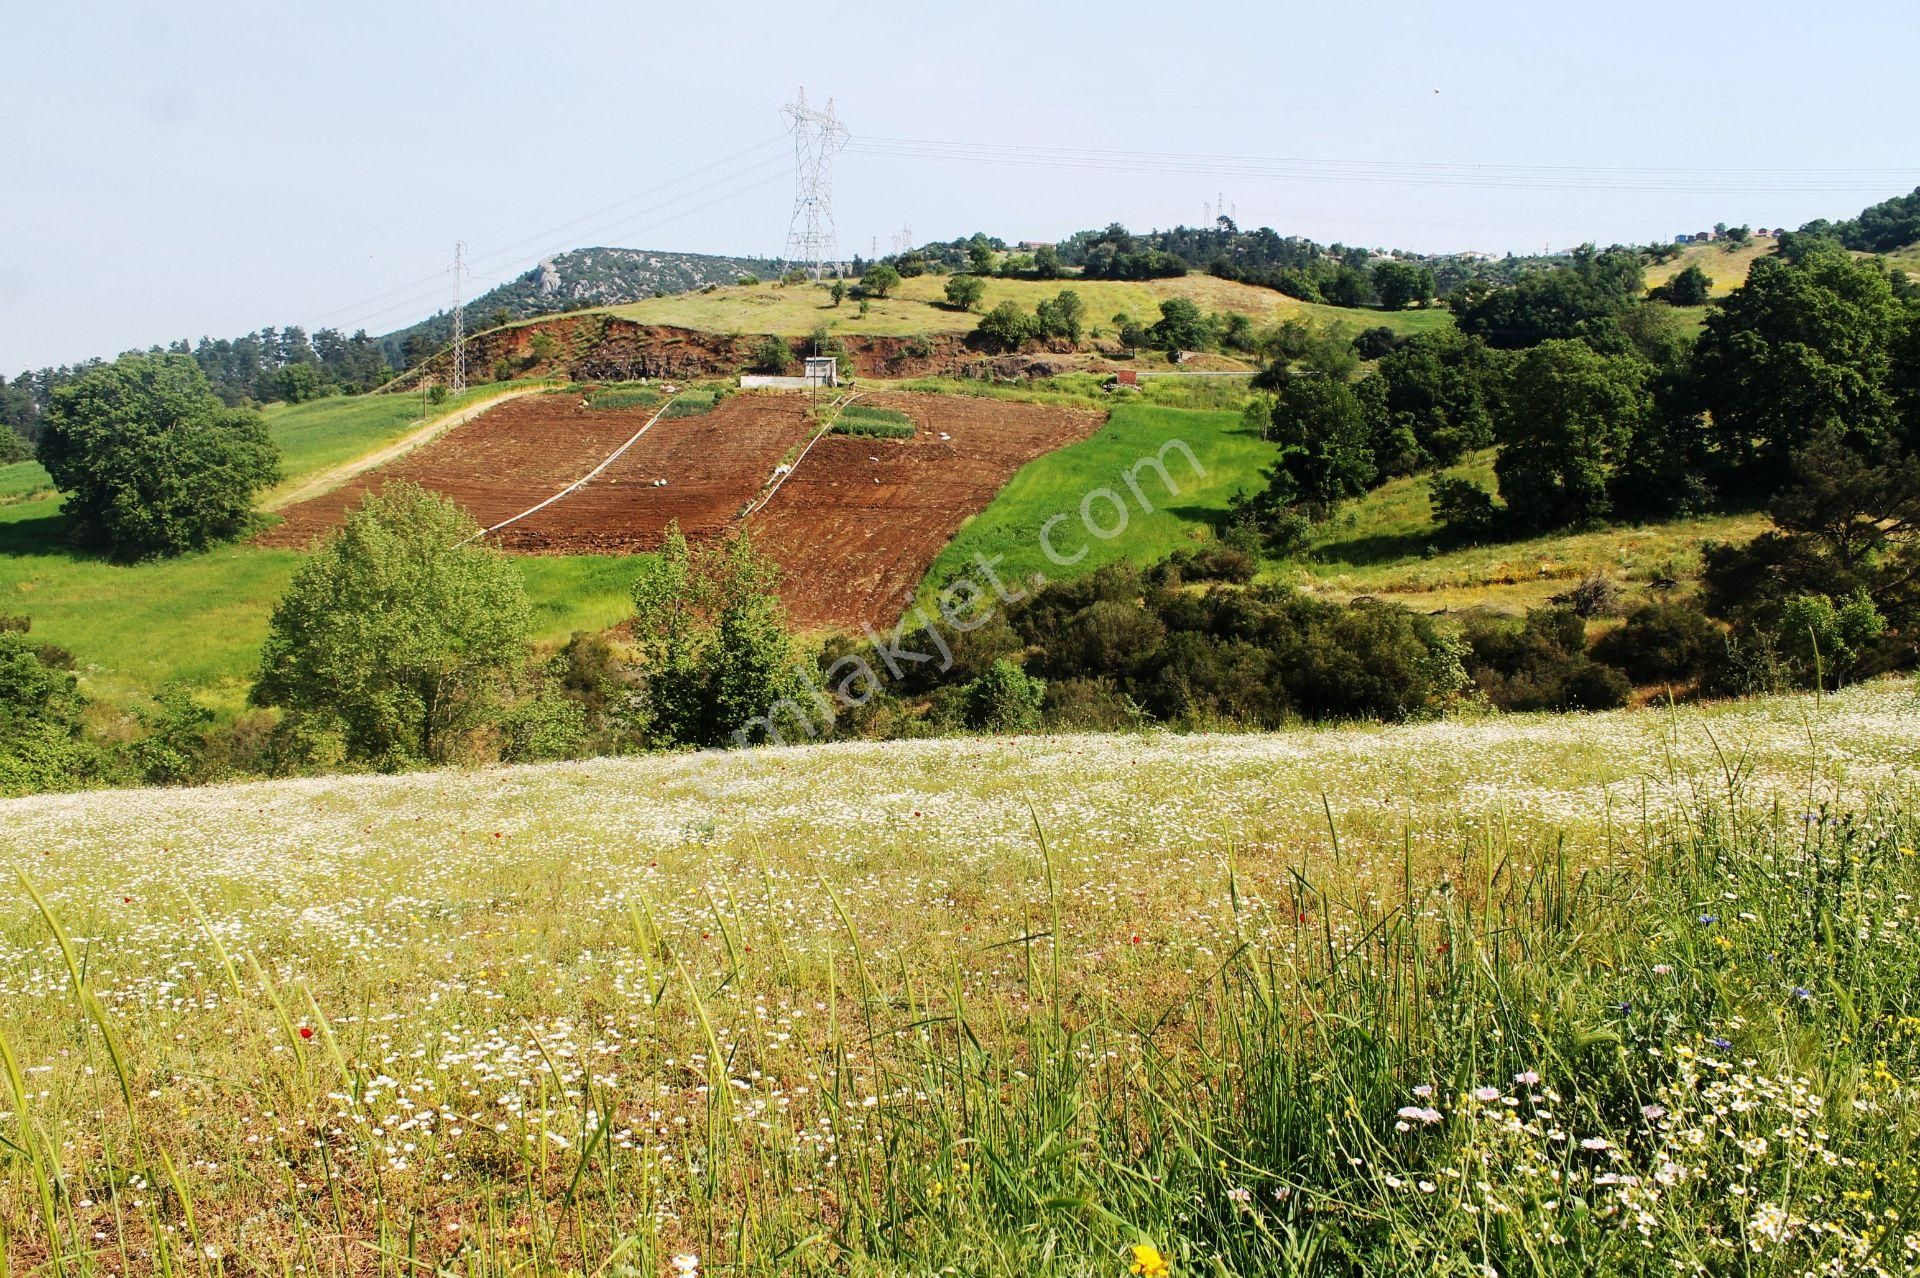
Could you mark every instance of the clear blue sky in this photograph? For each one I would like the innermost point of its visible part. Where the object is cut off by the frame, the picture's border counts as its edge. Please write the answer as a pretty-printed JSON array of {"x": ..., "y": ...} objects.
[{"x": 208, "y": 168}]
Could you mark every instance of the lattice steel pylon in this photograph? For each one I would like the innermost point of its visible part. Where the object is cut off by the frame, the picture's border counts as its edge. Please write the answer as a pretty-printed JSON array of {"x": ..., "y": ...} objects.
[
  {"x": 817, "y": 137},
  {"x": 459, "y": 382}
]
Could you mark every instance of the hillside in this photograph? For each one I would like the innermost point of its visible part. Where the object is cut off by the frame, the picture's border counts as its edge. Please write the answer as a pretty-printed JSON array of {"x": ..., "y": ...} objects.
[
  {"x": 582, "y": 278},
  {"x": 579, "y": 1018},
  {"x": 918, "y": 306},
  {"x": 1725, "y": 264}
]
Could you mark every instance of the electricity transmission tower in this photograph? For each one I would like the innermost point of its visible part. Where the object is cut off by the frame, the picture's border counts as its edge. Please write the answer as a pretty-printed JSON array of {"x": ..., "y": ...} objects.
[
  {"x": 459, "y": 319},
  {"x": 817, "y": 136}
]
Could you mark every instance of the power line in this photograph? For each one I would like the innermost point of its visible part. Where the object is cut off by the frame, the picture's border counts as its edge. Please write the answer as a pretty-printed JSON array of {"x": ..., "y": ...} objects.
[
  {"x": 1511, "y": 176},
  {"x": 549, "y": 233},
  {"x": 421, "y": 297}
]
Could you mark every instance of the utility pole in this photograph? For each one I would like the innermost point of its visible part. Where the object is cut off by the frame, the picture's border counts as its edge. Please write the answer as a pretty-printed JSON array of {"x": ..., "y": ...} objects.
[{"x": 459, "y": 319}]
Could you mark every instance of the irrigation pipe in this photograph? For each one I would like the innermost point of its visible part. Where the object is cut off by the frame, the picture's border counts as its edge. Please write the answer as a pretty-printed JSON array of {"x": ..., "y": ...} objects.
[
  {"x": 833, "y": 409},
  {"x": 579, "y": 483}
]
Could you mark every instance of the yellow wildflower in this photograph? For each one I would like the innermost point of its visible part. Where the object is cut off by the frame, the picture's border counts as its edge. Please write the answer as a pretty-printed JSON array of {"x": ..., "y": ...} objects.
[{"x": 1148, "y": 1262}]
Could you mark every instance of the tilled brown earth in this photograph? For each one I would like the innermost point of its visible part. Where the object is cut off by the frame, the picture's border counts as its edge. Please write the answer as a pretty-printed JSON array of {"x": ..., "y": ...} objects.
[
  {"x": 859, "y": 522},
  {"x": 854, "y": 528}
]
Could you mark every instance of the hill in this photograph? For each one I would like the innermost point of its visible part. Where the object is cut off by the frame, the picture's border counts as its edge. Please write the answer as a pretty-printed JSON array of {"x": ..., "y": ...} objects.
[
  {"x": 579, "y": 279},
  {"x": 1726, "y": 264},
  {"x": 918, "y": 306},
  {"x": 580, "y": 1018}
]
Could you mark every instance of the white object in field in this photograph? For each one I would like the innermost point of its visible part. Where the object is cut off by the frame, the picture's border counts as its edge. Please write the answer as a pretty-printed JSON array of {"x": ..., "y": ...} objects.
[
  {"x": 822, "y": 370},
  {"x": 944, "y": 435}
]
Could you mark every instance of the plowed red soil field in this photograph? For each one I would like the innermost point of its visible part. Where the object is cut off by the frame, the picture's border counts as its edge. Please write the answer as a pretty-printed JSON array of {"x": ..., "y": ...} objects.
[
  {"x": 853, "y": 528},
  {"x": 525, "y": 451},
  {"x": 860, "y": 520}
]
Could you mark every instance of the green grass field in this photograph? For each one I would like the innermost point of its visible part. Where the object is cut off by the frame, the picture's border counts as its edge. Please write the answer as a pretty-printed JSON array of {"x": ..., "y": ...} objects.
[
  {"x": 917, "y": 306},
  {"x": 202, "y": 618},
  {"x": 1561, "y": 996},
  {"x": 1384, "y": 544},
  {"x": 323, "y": 433},
  {"x": 1230, "y": 457}
]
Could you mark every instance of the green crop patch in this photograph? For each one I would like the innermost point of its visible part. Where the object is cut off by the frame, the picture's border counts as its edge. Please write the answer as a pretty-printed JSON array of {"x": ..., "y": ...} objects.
[{"x": 873, "y": 423}]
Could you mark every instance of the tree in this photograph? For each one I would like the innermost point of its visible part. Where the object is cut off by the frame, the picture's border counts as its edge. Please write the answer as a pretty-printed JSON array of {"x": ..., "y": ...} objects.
[
  {"x": 1005, "y": 328},
  {"x": 1402, "y": 284},
  {"x": 714, "y": 642},
  {"x": 297, "y": 383},
  {"x": 1046, "y": 262},
  {"x": 1805, "y": 347},
  {"x": 151, "y": 460},
  {"x": 1347, "y": 286},
  {"x": 838, "y": 292},
  {"x": 879, "y": 280},
  {"x": 1691, "y": 287},
  {"x": 1326, "y": 452},
  {"x": 1566, "y": 418},
  {"x": 965, "y": 291},
  {"x": 1063, "y": 315},
  {"x": 1181, "y": 327},
  {"x": 399, "y": 634},
  {"x": 979, "y": 255},
  {"x": 1439, "y": 387},
  {"x": 1553, "y": 304}
]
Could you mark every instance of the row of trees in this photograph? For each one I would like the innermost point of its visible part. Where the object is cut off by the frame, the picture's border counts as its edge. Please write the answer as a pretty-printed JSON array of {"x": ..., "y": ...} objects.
[
  {"x": 1610, "y": 410},
  {"x": 267, "y": 366}
]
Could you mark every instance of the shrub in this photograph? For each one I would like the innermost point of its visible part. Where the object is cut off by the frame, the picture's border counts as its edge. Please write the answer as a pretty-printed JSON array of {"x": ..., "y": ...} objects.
[
  {"x": 1205, "y": 563},
  {"x": 1595, "y": 596},
  {"x": 41, "y": 747},
  {"x": 175, "y": 745},
  {"x": 771, "y": 355},
  {"x": 1462, "y": 507},
  {"x": 1664, "y": 642},
  {"x": 1003, "y": 699},
  {"x": 1541, "y": 663},
  {"x": 1005, "y": 328}
]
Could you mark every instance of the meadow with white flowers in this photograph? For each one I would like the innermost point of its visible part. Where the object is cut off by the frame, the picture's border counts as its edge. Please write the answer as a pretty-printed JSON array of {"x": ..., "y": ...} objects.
[{"x": 1631, "y": 993}]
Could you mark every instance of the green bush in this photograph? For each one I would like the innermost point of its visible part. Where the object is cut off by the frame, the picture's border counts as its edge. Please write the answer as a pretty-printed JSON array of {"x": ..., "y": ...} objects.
[
  {"x": 1664, "y": 642},
  {"x": 772, "y": 355},
  {"x": 1003, "y": 699},
  {"x": 41, "y": 746}
]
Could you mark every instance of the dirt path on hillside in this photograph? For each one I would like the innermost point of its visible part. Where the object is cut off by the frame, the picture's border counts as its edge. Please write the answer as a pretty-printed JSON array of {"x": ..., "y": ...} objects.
[{"x": 327, "y": 480}]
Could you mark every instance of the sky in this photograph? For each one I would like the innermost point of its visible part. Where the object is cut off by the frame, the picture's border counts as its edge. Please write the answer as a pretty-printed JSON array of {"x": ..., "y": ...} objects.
[{"x": 207, "y": 168}]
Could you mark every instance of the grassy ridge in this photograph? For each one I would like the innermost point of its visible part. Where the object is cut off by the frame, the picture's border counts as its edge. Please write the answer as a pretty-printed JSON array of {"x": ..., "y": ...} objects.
[
  {"x": 1559, "y": 996},
  {"x": 918, "y": 306}
]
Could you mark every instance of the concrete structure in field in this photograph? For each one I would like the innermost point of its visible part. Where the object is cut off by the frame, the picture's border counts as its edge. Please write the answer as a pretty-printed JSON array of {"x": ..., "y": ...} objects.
[{"x": 821, "y": 370}]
